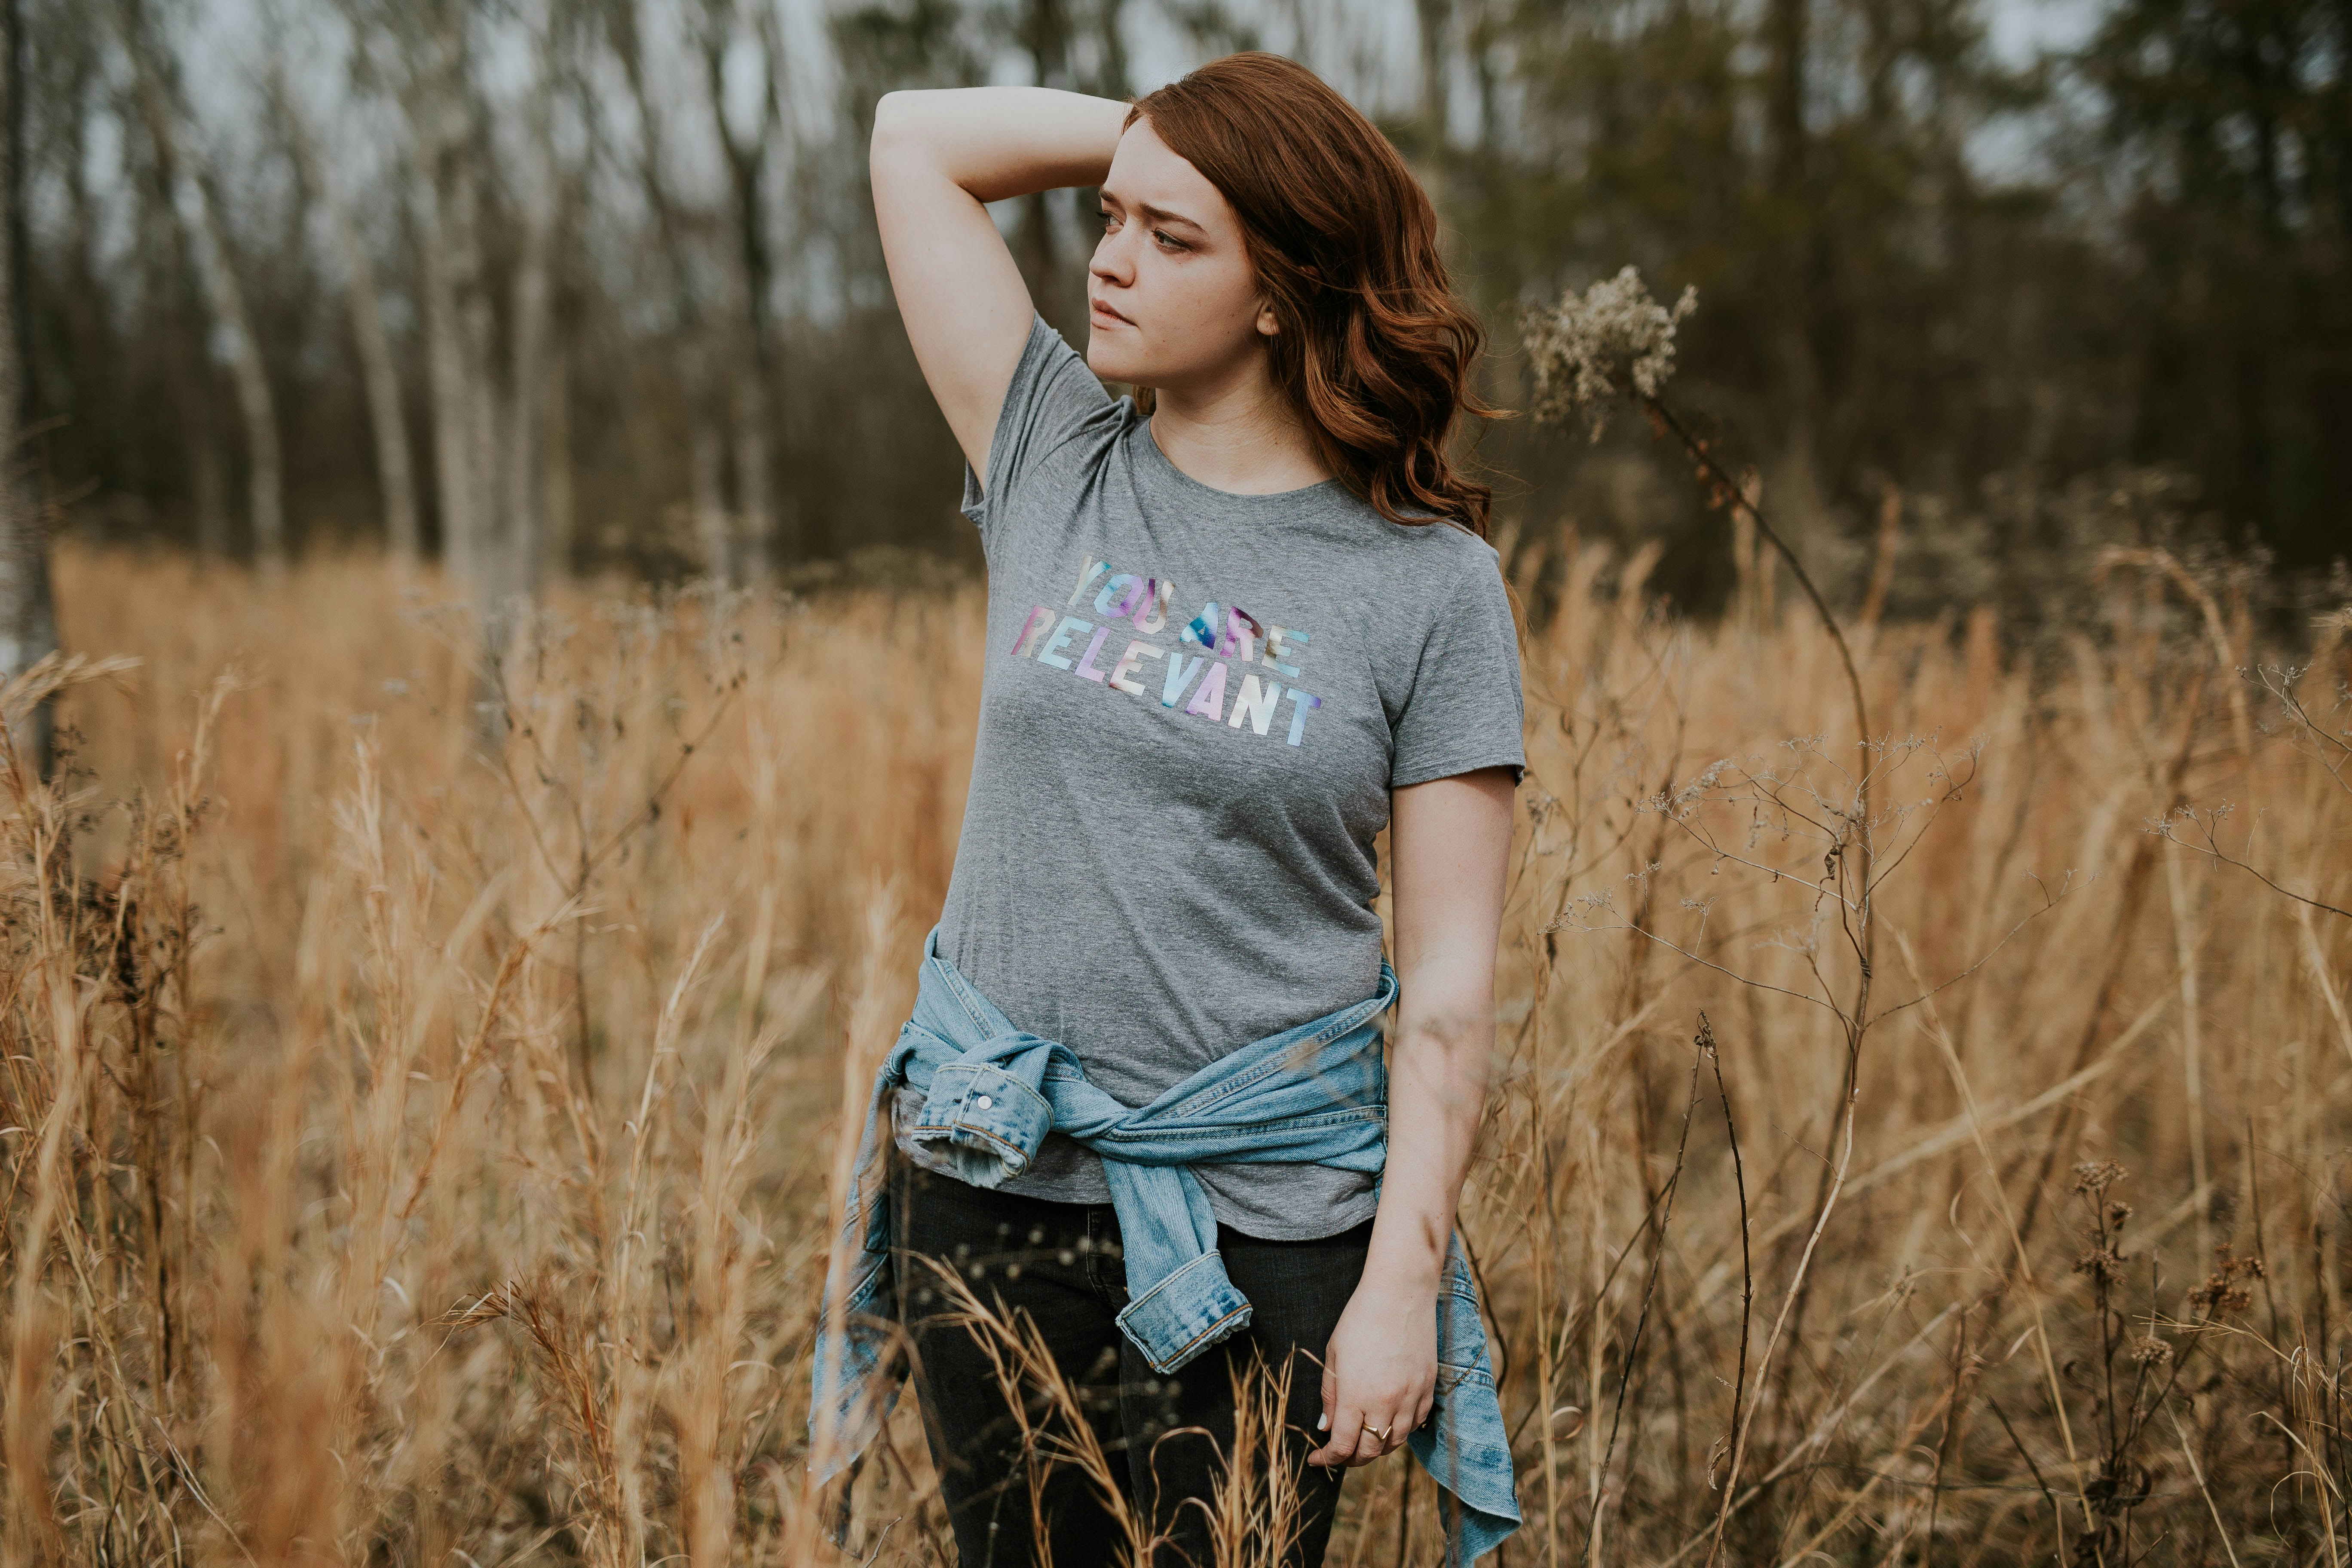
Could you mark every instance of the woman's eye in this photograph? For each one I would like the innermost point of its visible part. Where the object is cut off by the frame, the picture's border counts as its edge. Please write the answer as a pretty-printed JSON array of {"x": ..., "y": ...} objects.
[
  {"x": 1108, "y": 221},
  {"x": 1161, "y": 235}
]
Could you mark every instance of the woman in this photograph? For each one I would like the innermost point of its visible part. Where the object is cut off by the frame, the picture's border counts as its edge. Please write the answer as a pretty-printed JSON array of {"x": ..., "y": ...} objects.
[{"x": 1237, "y": 624}]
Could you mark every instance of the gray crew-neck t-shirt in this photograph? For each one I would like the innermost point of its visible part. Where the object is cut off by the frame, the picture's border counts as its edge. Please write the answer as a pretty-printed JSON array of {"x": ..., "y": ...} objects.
[{"x": 1193, "y": 705}]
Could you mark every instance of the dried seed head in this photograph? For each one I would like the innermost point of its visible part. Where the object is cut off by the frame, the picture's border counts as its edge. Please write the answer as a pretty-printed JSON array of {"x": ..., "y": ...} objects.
[
  {"x": 2102, "y": 1263},
  {"x": 1592, "y": 348},
  {"x": 2149, "y": 1350},
  {"x": 2224, "y": 1290},
  {"x": 2095, "y": 1176}
]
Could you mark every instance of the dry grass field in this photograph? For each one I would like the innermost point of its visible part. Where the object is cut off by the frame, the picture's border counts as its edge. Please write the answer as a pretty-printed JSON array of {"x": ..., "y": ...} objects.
[{"x": 424, "y": 1082}]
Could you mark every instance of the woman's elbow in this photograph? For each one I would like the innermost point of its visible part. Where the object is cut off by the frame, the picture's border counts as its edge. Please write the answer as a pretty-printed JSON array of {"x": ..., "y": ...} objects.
[
  {"x": 897, "y": 124},
  {"x": 892, "y": 129},
  {"x": 1459, "y": 1033}
]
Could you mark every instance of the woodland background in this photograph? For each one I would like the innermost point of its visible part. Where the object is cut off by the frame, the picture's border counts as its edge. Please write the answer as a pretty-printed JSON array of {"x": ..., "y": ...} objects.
[{"x": 545, "y": 287}]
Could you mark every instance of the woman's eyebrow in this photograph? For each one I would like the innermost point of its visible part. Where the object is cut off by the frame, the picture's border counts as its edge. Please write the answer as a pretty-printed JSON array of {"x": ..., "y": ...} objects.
[{"x": 1162, "y": 215}]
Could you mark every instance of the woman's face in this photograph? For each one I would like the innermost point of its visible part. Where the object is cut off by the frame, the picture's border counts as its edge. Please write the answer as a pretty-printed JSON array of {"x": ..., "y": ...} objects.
[{"x": 1172, "y": 297}]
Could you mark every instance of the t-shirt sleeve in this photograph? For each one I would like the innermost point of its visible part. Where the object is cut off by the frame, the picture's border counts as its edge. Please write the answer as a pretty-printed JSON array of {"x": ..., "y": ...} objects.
[
  {"x": 1465, "y": 711},
  {"x": 1052, "y": 394}
]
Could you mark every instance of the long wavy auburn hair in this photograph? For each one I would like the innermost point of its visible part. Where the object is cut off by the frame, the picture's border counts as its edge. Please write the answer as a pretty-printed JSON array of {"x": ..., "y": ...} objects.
[{"x": 1373, "y": 349}]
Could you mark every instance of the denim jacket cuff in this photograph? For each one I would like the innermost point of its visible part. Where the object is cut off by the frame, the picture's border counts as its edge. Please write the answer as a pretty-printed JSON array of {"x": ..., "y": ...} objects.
[
  {"x": 984, "y": 1121},
  {"x": 1189, "y": 1310}
]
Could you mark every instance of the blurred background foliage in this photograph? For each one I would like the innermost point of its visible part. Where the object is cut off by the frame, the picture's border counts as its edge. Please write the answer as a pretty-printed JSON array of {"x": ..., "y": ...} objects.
[{"x": 551, "y": 287}]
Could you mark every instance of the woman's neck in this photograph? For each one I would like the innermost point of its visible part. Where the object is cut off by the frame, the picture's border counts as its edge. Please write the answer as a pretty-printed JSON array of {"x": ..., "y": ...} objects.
[{"x": 1242, "y": 436}]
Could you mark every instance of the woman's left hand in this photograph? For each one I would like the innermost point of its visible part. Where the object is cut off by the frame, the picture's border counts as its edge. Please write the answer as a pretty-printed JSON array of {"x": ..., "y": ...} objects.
[{"x": 1379, "y": 1372}]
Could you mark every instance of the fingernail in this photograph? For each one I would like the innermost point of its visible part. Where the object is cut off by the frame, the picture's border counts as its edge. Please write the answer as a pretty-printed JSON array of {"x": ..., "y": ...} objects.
[{"x": 1323, "y": 1422}]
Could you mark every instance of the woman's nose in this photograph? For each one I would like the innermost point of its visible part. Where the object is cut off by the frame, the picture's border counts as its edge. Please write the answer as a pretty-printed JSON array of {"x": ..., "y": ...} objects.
[{"x": 1108, "y": 263}]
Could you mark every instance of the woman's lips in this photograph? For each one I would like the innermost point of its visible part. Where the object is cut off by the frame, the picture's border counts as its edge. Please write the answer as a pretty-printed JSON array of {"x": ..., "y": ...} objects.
[{"x": 1106, "y": 316}]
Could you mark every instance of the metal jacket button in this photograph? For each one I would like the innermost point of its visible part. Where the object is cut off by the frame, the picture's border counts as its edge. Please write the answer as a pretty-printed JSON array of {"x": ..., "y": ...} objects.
[{"x": 983, "y": 1102}]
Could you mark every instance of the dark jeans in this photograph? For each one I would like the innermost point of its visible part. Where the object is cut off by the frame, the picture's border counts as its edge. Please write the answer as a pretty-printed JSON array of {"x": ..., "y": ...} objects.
[{"x": 1060, "y": 1264}]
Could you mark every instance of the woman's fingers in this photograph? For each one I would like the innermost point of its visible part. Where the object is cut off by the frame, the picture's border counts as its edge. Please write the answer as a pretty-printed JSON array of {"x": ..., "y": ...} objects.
[
  {"x": 1354, "y": 1437},
  {"x": 1342, "y": 1436},
  {"x": 1379, "y": 1434}
]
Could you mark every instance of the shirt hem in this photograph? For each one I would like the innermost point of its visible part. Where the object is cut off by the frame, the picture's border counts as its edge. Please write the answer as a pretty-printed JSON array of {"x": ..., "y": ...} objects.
[
  {"x": 1517, "y": 761},
  {"x": 1338, "y": 1219},
  {"x": 1067, "y": 1187}
]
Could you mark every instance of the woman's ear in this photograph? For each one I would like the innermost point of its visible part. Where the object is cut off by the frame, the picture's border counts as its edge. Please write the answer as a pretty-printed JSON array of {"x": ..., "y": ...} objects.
[{"x": 1268, "y": 325}]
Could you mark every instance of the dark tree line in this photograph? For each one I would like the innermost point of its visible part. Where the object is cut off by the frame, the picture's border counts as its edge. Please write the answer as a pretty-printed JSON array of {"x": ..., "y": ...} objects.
[{"x": 540, "y": 286}]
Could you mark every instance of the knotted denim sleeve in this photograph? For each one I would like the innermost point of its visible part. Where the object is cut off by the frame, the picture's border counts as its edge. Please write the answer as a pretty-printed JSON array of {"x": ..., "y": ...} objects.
[{"x": 1316, "y": 1093}]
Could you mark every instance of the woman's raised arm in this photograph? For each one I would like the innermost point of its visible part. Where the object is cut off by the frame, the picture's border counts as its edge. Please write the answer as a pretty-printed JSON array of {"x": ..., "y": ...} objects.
[{"x": 938, "y": 156}]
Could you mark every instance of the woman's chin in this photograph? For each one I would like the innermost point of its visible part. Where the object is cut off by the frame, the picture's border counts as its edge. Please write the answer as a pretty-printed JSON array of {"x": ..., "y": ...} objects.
[{"x": 1109, "y": 360}]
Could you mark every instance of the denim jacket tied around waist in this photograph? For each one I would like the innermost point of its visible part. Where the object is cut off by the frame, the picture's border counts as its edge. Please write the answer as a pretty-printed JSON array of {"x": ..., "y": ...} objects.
[{"x": 1312, "y": 1094}]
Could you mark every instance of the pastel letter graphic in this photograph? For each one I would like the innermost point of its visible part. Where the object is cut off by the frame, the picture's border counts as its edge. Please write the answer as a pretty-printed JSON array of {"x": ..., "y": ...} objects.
[
  {"x": 1117, "y": 597},
  {"x": 1203, "y": 632},
  {"x": 1040, "y": 619},
  {"x": 1278, "y": 641},
  {"x": 1087, "y": 665},
  {"x": 1071, "y": 626},
  {"x": 1210, "y": 701},
  {"x": 1242, "y": 634},
  {"x": 1130, "y": 662},
  {"x": 1158, "y": 593},
  {"x": 1181, "y": 670},
  {"x": 1257, "y": 703},
  {"x": 1094, "y": 570},
  {"x": 1300, "y": 703}
]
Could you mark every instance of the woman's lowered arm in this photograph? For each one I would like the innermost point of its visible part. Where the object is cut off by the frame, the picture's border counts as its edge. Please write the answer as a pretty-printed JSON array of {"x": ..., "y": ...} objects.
[{"x": 1450, "y": 842}]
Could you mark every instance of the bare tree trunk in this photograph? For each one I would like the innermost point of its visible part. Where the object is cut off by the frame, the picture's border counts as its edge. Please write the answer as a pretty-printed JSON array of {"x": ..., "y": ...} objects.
[
  {"x": 1787, "y": 32},
  {"x": 1044, "y": 35},
  {"x": 162, "y": 106},
  {"x": 264, "y": 466},
  {"x": 751, "y": 275},
  {"x": 98, "y": 374},
  {"x": 207, "y": 484},
  {"x": 1788, "y": 42},
  {"x": 524, "y": 526},
  {"x": 1483, "y": 30},
  {"x": 754, "y": 497},
  {"x": 702, "y": 361},
  {"x": 478, "y": 330},
  {"x": 457, "y": 312},
  {"x": 1111, "y": 79},
  {"x": 452, "y": 394},
  {"x": 168, "y": 280},
  {"x": 1433, "y": 17},
  {"x": 561, "y": 507},
  {"x": 706, "y": 487},
  {"x": 396, "y": 467},
  {"x": 525, "y": 551},
  {"x": 29, "y": 622},
  {"x": 379, "y": 372}
]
